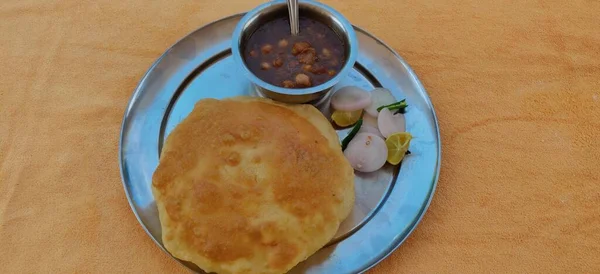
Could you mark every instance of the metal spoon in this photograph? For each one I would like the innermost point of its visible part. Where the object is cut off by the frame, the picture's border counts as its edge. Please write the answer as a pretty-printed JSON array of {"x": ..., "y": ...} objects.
[{"x": 293, "y": 11}]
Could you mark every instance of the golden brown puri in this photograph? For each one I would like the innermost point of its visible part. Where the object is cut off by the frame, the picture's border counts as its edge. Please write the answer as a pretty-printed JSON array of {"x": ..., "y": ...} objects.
[{"x": 247, "y": 185}]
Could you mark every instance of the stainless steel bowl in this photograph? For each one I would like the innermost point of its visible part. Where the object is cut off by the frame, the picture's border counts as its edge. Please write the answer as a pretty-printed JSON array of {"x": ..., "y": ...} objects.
[{"x": 278, "y": 8}]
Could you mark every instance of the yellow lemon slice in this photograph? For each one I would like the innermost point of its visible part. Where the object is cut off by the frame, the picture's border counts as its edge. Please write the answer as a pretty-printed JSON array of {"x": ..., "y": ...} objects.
[
  {"x": 397, "y": 145},
  {"x": 346, "y": 118}
]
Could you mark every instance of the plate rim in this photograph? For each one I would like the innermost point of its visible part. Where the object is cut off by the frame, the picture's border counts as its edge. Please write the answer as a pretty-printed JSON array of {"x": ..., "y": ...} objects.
[
  {"x": 436, "y": 178},
  {"x": 393, "y": 247}
]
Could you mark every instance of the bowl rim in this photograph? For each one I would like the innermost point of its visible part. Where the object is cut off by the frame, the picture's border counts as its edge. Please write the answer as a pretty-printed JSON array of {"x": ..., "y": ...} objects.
[{"x": 345, "y": 24}]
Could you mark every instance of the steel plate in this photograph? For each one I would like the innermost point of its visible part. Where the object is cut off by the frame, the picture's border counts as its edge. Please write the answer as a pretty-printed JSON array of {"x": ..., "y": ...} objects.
[{"x": 389, "y": 202}]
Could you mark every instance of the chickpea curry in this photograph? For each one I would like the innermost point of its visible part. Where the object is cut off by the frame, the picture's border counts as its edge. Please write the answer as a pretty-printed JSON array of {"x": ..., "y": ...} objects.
[{"x": 308, "y": 59}]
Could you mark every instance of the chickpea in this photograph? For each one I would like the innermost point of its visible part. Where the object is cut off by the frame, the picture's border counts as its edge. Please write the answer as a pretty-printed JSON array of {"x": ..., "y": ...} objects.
[
  {"x": 283, "y": 43},
  {"x": 265, "y": 66},
  {"x": 288, "y": 84},
  {"x": 331, "y": 72},
  {"x": 303, "y": 80},
  {"x": 307, "y": 67},
  {"x": 300, "y": 47},
  {"x": 307, "y": 57},
  {"x": 253, "y": 53},
  {"x": 326, "y": 52},
  {"x": 318, "y": 69},
  {"x": 278, "y": 62},
  {"x": 266, "y": 49}
]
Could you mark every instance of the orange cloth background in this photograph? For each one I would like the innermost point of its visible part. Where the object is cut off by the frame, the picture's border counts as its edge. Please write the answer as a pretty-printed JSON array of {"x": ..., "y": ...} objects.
[{"x": 516, "y": 86}]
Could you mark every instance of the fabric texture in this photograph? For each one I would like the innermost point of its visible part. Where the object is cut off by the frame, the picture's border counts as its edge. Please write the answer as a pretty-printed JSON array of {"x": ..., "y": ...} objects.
[{"x": 516, "y": 87}]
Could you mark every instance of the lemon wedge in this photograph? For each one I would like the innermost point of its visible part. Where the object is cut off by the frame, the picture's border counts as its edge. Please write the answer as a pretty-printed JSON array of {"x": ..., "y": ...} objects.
[
  {"x": 397, "y": 145},
  {"x": 346, "y": 118}
]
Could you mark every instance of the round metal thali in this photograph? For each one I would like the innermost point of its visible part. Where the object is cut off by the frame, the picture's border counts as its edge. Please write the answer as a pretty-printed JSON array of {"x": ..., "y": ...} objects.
[{"x": 389, "y": 202}]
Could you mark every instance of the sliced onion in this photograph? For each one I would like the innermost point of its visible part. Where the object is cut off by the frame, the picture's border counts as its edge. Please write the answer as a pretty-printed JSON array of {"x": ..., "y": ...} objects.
[
  {"x": 389, "y": 123},
  {"x": 370, "y": 129},
  {"x": 350, "y": 98},
  {"x": 379, "y": 97},
  {"x": 366, "y": 152},
  {"x": 370, "y": 120}
]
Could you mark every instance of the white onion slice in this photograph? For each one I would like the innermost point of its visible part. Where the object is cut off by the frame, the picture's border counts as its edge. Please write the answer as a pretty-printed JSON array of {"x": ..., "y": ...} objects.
[
  {"x": 370, "y": 120},
  {"x": 379, "y": 97},
  {"x": 350, "y": 98},
  {"x": 389, "y": 123},
  {"x": 366, "y": 152},
  {"x": 370, "y": 129}
]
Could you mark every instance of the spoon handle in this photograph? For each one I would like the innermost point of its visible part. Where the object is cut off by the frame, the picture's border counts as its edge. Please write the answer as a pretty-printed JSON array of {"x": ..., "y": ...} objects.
[{"x": 294, "y": 20}]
